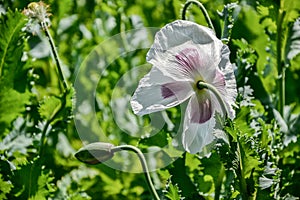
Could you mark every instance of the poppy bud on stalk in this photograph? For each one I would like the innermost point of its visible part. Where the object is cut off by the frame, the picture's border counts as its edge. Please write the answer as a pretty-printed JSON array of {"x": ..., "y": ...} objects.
[{"x": 95, "y": 153}]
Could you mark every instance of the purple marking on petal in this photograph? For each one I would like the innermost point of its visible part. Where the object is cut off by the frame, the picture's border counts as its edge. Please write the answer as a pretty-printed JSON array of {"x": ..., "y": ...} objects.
[
  {"x": 178, "y": 89},
  {"x": 202, "y": 111},
  {"x": 166, "y": 92},
  {"x": 219, "y": 79},
  {"x": 188, "y": 59}
]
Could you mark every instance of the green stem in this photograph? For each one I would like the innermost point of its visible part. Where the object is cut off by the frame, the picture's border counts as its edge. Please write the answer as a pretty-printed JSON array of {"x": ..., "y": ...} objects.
[
  {"x": 43, "y": 138},
  {"x": 54, "y": 115},
  {"x": 228, "y": 22},
  {"x": 280, "y": 66},
  {"x": 210, "y": 87},
  {"x": 200, "y": 5},
  {"x": 241, "y": 176},
  {"x": 56, "y": 57},
  {"x": 144, "y": 165},
  {"x": 218, "y": 184}
]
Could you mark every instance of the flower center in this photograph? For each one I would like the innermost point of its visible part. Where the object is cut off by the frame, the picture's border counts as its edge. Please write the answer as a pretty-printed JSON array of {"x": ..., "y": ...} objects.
[{"x": 199, "y": 85}]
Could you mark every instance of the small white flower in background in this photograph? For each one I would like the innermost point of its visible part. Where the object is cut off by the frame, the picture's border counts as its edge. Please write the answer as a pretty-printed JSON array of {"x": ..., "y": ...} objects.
[{"x": 183, "y": 54}]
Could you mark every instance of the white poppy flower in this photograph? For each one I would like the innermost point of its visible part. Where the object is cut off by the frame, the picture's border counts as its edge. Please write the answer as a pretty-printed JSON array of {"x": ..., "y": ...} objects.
[{"x": 184, "y": 54}]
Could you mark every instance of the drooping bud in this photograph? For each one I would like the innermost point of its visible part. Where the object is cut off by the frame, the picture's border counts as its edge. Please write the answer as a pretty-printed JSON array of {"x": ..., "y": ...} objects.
[{"x": 95, "y": 153}]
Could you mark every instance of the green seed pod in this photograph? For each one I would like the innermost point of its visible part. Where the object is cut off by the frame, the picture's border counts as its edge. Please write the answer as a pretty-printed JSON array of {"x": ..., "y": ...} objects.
[{"x": 95, "y": 153}]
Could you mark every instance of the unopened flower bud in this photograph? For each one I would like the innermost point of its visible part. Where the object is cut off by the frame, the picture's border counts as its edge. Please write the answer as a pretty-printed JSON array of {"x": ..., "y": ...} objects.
[{"x": 95, "y": 153}]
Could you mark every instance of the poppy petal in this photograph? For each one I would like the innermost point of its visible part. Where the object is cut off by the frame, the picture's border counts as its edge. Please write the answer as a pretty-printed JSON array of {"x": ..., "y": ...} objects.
[
  {"x": 156, "y": 92},
  {"x": 196, "y": 135}
]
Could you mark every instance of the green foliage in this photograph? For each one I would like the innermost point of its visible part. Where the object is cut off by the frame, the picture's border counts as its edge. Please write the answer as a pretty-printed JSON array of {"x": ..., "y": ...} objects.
[
  {"x": 229, "y": 15},
  {"x": 32, "y": 181},
  {"x": 54, "y": 108},
  {"x": 11, "y": 46},
  {"x": 39, "y": 133},
  {"x": 73, "y": 184},
  {"x": 12, "y": 100},
  {"x": 49, "y": 107},
  {"x": 172, "y": 191},
  {"x": 12, "y": 105},
  {"x": 292, "y": 44},
  {"x": 5, "y": 188}
]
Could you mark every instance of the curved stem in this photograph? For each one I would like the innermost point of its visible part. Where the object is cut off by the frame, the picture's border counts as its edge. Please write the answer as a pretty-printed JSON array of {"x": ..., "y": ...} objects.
[
  {"x": 200, "y": 5},
  {"x": 56, "y": 57},
  {"x": 144, "y": 165},
  {"x": 216, "y": 93}
]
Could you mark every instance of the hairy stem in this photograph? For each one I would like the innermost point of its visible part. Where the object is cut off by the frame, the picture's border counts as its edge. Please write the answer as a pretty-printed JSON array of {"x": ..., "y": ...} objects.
[
  {"x": 241, "y": 176},
  {"x": 280, "y": 66},
  {"x": 144, "y": 165},
  {"x": 218, "y": 184},
  {"x": 200, "y": 5},
  {"x": 56, "y": 57},
  {"x": 43, "y": 138}
]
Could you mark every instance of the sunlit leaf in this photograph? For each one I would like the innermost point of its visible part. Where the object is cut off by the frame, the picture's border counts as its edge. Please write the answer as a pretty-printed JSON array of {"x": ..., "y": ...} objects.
[
  {"x": 49, "y": 107},
  {"x": 5, "y": 188},
  {"x": 293, "y": 41},
  {"x": 265, "y": 182},
  {"x": 83, "y": 178},
  {"x": 32, "y": 181},
  {"x": 11, "y": 46},
  {"x": 12, "y": 102},
  {"x": 172, "y": 191},
  {"x": 280, "y": 121},
  {"x": 183, "y": 180},
  {"x": 12, "y": 105}
]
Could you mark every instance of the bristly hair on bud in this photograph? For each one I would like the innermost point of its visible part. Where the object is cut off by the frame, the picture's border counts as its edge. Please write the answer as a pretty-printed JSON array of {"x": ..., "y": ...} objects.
[{"x": 38, "y": 14}]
